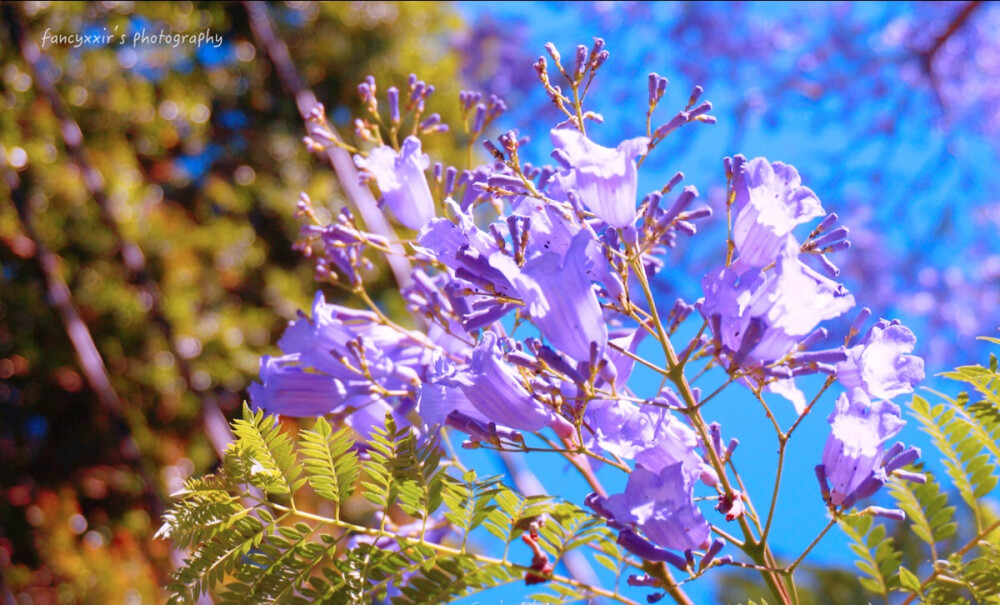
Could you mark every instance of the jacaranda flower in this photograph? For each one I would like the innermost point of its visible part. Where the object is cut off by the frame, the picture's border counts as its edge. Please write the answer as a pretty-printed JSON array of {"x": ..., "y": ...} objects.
[
  {"x": 496, "y": 390},
  {"x": 770, "y": 202},
  {"x": 401, "y": 179},
  {"x": 286, "y": 388},
  {"x": 760, "y": 316},
  {"x": 662, "y": 506},
  {"x": 854, "y": 460},
  {"x": 605, "y": 178},
  {"x": 562, "y": 301},
  {"x": 879, "y": 364}
]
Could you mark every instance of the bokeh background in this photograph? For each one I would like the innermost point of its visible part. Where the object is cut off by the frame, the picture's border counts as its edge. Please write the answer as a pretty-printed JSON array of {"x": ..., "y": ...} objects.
[{"x": 148, "y": 190}]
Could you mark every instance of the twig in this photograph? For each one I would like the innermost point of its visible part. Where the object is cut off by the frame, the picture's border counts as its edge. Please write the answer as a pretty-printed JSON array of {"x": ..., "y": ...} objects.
[
  {"x": 91, "y": 364},
  {"x": 340, "y": 160}
]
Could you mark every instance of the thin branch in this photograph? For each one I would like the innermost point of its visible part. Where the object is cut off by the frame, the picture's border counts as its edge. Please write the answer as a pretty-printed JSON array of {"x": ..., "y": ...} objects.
[
  {"x": 88, "y": 356},
  {"x": 340, "y": 159}
]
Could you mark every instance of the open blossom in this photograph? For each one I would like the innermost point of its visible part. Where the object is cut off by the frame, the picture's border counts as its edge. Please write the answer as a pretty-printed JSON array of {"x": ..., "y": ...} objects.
[
  {"x": 289, "y": 389},
  {"x": 855, "y": 461},
  {"x": 879, "y": 363},
  {"x": 401, "y": 179},
  {"x": 495, "y": 389},
  {"x": 320, "y": 371},
  {"x": 606, "y": 179},
  {"x": 661, "y": 504},
  {"x": 760, "y": 316},
  {"x": 770, "y": 202},
  {"x": 562, "y": 302}
]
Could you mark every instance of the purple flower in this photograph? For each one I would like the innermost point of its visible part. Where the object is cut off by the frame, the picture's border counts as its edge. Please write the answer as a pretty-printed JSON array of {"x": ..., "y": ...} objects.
[
  {"x": 321, "y": 371},
  {"x": 286, "y": 388},
  {"x": 552, "y": 230},
  {"x": 401, "y": 179},
  {"x": 605, "y": 178},
  {"x": 770, "y": 202},
  {"x": 879, "y": 364},
  {"x": 648, "y": 434},
  {"x": 562, "y": 301},
  {"x": 336, "y": 334},
  {"x": 854, "y": 459},
  {"x": 760, "y": 316},
  {"x": 662, "y": 506},
  {"x": 482, "y": 272},
  {"x": 497, "y": 391}
]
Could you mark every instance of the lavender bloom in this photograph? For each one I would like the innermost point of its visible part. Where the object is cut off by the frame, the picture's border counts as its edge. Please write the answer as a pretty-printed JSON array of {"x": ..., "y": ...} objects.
[
  {"x": 336, "y": 335},
  {"x": 495, "y": 389},
  {"x": 605, "y": 178},
  {"x": 854, "y": 458},
  {"x": 553, "y": 230},
  {"x": 482, "y": 269},
  {"x": 562, "y": 301},
  {"x": 649, "y": 434},
  {"x": 286, "y": 388},
  {"x": 879, "y": 364},
  {"x": 321, "y": 371},
  {"x": 401, "y": 179},
  {"x": 762, "y": 316},
  {"x": 770, "y": 202},
  {"x": 662, "y": 506}
]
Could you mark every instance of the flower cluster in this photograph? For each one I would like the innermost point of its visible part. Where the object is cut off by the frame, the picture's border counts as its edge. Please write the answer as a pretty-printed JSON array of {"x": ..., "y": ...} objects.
[{"x": 530, "y": 292}]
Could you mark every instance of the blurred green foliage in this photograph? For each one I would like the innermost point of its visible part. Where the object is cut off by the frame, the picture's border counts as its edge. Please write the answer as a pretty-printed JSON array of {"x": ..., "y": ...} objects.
[{"x": 201, "y": 154}]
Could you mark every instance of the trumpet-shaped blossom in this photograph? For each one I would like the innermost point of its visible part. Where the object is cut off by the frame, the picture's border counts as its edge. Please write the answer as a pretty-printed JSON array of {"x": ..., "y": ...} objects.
[
  {"x": 340, "y": 360},
  {"x": 880, "y": 365},
  {"x": 760, "y": 316},
  {"x": 605, "y": 178},
  {"x": 562, "y": 301},
  {"x": 287, "y": 388},
  {"x": 770, "y": 202},
  {"x": 481, "y": 270},
  {"x": 661, "y": 504},
  {"x": 339, "y": 340},
  {"x": 648, "y": 434},
  {"x": 401, "y": 179},
  {"x": 496, "y": 390},
  {"x": 854, "y": 459}
]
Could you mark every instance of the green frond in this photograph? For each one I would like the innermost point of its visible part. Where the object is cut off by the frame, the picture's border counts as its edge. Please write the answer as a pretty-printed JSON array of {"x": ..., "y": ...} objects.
[
  {"x": 878, "y": 559},
  {"x": 469, "y": 501},
  {"x": 386, "y": 463},
  {"x": 958, "y": 581},
  {"x": 958, "y": 438},
  {"x": 249, "y": 548},
  {"x": 215, "y": 559},
  {"x": 269, "y": 451},
  {"x": 331, "y": 465},
  {"x": 205, "y": 509},
  {"x": 926, "y": 508},
  {"x": 514, "y": 513},
  {"x": 568, "y": 527}
]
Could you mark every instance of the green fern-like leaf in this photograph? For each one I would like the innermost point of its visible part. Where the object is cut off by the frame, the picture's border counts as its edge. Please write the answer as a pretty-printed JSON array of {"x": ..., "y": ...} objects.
[
  {"x": 269, "y": 451},
  {"x": 969, "y": 467},
  {"x": 420, "y": 477},
  {"x": 926, "y": 508},
  {"x": 386, "y": 448},
  {"x": 514, "y": 513},
  {"x": 878, "y": 559},
  {"x": 568, "y": 527},
  {"x": 331, "y": 465},
  {"x": 205, "y": 510},
  {"x": 469, "y": 501}
]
